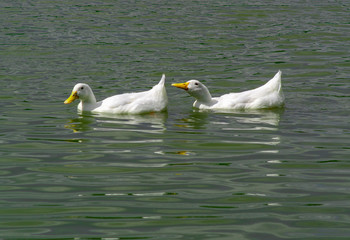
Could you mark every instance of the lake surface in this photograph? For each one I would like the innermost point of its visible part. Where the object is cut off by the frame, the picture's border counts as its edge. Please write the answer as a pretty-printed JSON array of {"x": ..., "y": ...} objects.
[{"x": 182, "y": 174}]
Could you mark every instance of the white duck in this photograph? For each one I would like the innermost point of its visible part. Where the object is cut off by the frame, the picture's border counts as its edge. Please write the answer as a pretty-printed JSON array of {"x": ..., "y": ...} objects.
[
  {"x": 153, "y": 100},
  {"x": 269, "y": 95}
]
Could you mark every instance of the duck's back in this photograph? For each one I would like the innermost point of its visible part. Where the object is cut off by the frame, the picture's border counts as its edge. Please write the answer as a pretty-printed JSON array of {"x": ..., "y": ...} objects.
[
  {"x": 269, "y": 95},
  {"x": 153, "y": 100}
]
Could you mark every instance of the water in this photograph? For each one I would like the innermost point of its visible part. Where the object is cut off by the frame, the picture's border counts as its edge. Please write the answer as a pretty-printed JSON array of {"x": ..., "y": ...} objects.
[{"x": 183, "y": 174}]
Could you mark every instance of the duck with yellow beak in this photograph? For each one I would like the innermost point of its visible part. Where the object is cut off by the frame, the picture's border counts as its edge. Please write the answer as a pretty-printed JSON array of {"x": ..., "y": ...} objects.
[
  {"x": 153, "y": 100},
  {"x": 269, "y": 95}
]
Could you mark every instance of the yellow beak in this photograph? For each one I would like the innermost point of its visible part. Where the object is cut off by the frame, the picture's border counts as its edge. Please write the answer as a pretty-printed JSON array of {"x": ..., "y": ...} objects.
[
  {"x": 72, "y": 97},
  {"x": 181, "y": 85}
]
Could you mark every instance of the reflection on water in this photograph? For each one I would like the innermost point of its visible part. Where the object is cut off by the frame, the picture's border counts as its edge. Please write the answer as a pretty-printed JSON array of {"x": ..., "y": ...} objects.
[
  {"x": 235, "y": 126},
  {"x": 198, "y": 119},
  {"x": 154, "y": 117},
  {"x": 80, "y": 124},
  {"x": 260, "y": 117},
  {"x": 201, "y": 134},
  {"x": 195, "y": 120},
  {"x": 155, "y": 122}
]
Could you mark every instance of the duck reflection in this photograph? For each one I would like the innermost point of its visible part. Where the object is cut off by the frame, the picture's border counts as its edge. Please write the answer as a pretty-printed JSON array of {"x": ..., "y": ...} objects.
[
  {"x": 262, "y": 117},
  {"x": 103, "y": 121},
  {"x": 80, "y": 124},
  {"x": 195, "y": 120},
  {"x": 199, "y": 119},
  {"x": 157, "y": 118},
  {"x": 255, "y": 131}
]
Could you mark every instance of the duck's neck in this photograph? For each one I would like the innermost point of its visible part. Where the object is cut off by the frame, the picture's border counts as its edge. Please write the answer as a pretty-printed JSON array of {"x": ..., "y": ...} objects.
[
  {"x": 87, "y": 103},
  {"x": 90, "y": 99},
  {"x": 203, "y": 96}
]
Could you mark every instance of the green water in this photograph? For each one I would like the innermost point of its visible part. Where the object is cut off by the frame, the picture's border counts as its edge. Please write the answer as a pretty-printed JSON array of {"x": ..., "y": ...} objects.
[{"x": 183, "y": 174}]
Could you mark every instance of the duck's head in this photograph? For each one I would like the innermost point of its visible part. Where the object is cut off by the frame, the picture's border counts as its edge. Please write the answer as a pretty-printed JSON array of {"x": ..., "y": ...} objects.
[
  {"x": 83, "y": 92},
  {"x": 196, "y": 89}
]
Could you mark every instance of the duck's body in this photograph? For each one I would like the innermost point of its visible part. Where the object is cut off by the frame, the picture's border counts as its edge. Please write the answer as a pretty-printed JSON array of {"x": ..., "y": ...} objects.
[
  {"x": 153, "y": 100},
  {"x": 269, "y": 95}
]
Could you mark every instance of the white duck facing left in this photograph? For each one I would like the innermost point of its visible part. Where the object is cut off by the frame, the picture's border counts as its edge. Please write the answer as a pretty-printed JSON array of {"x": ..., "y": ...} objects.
[
  {"x": 153, "y": 100},
  {"x": 269, "y": 95}
]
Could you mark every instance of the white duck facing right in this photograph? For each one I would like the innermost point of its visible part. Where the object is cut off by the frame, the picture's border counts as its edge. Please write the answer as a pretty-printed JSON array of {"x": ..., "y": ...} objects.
[{"x": 269, "y": 95}]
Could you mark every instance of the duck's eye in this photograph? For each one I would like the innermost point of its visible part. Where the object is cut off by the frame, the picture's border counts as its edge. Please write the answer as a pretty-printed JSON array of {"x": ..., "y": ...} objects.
[
  {"x": 82, "y": 88},
  {"x": 196, "y": 83}
]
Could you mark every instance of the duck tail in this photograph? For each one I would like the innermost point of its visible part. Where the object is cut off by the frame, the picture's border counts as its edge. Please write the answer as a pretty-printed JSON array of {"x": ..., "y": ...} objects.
[
  {"x": 275, "y": 82},
  {"x": 278, "y": 76},
  {"x": 162, "y": 80}
]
